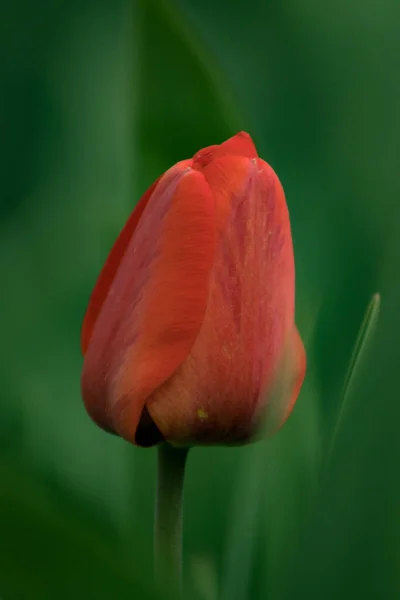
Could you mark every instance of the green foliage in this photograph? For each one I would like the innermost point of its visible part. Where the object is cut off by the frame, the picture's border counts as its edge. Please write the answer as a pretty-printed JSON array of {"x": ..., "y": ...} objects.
[{"x": 98, "y": 98}]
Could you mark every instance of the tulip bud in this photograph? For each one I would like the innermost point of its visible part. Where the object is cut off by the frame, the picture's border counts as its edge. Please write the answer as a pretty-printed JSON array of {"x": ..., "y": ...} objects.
[{"x": 190, "y": 327}]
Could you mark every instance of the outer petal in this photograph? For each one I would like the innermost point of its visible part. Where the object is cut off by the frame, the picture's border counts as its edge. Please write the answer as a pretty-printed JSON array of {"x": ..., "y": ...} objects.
[
  {"x": 110, "y": 267},
  {"x": 112, "y": 263},
  {"x": 156, "y": 304},
  {"x": 219, "y": 392},
  {"x": 240, "y": 144}
]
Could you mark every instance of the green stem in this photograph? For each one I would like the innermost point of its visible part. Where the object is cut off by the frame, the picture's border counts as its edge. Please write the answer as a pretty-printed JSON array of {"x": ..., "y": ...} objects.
[{"x": 168, "y": 516}]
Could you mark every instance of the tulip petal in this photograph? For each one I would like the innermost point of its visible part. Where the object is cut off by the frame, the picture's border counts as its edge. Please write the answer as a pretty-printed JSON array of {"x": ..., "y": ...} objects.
[
  {"x": 240, "y": 144},
  {"x": 110, "y": 267},
  {"x": 220, "y": 391},
  {"x": 112, "y": 263},
  {"x": 156, "y": 304}
]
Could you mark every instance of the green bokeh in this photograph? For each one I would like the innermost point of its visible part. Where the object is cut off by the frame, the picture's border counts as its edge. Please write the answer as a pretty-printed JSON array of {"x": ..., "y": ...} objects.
[{"x": 97, "y": 99}]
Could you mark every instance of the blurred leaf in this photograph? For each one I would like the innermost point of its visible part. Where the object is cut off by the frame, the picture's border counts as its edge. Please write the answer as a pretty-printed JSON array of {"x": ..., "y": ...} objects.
[
  {"x": 348, "y": 548},
  {"x": 181, "y": 96},
  {"x": 363, "y": 341}
]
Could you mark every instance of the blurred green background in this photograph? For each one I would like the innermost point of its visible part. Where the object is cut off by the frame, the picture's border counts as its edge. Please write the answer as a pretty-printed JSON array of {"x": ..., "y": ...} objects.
[{"x": 97, "y": 99}]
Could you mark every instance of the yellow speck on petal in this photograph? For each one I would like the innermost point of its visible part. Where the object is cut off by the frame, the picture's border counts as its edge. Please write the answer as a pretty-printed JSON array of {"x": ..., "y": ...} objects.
[{"x": 202, "y": 414}]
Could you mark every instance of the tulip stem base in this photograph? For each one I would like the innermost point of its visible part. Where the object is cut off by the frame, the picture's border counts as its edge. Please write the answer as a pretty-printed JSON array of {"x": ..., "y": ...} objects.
[{"x": 168, "y": 514}]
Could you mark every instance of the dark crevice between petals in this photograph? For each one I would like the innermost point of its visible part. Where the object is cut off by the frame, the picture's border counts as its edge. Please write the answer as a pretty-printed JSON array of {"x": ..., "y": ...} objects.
[{"x": 147, "y": 433}]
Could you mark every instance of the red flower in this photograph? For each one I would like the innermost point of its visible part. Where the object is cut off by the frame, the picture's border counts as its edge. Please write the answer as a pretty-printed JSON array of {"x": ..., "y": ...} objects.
[{"x": 189, "y": 335}]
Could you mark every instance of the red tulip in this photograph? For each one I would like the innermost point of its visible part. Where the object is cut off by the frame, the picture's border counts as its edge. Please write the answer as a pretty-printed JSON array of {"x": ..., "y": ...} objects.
[{"x": 189, "y": 335}]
